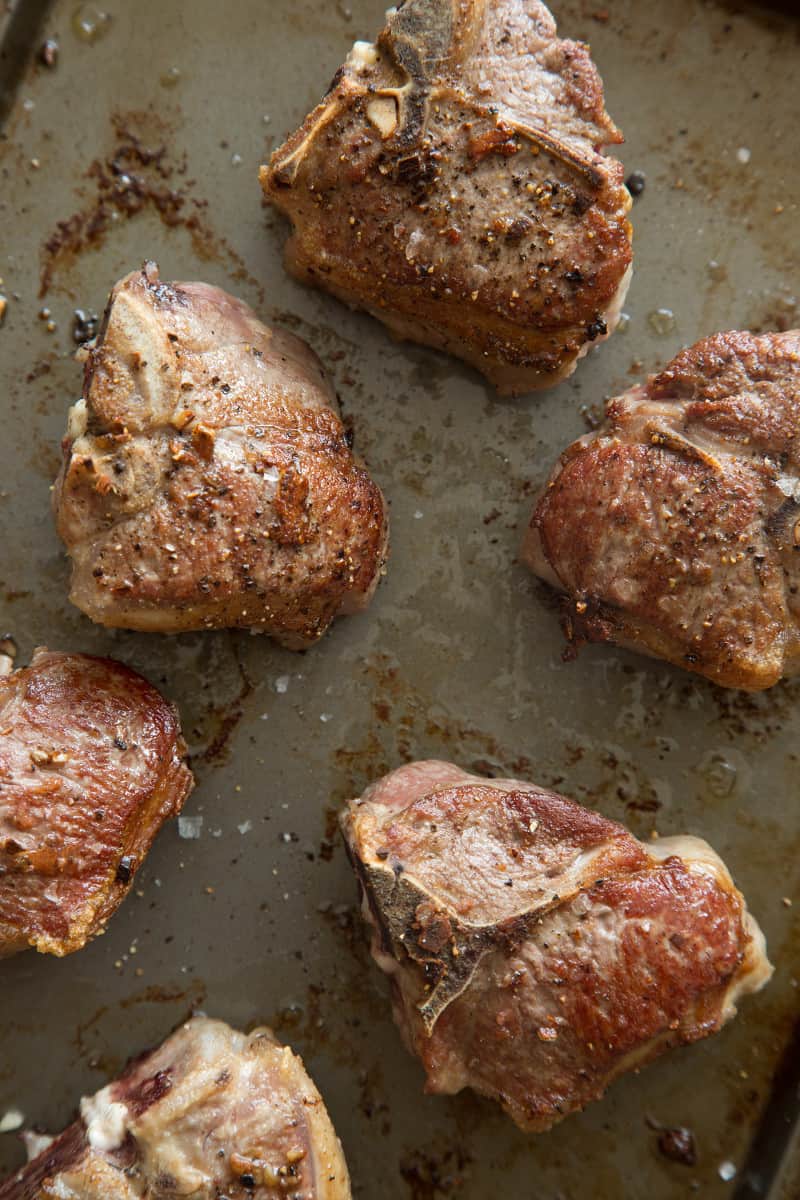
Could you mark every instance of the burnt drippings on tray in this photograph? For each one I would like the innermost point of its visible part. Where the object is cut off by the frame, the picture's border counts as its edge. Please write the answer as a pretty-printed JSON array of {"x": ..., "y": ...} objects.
[
  {"x": 141, "y": 171},
  {"x": 190, "y": 998},
  {"x": 678, "y": 1145},
  {"x": 403, "y": 724},
  {"x": 430, "y": 1176},
  {"x": 137, "y": 173},
  {"x": 225, "y": 721},
  {"x": 84, "y": 326},
  {"x": 306, "y": 1022},
  {"x": 48, "y": 53},
  {"x": 92, "y": 1031},
  {"x": 754, "y": 718},
  {"x": 593, "y": 416},
  {"x": 341, "y": 1008},
  {"x": 781, "y": 313},
  {"x": 330, "y": 839},
  {"x": 371, "y": 1101},
  {"x": 406, "y": 725},
  {"x": 767, "y": 11},
  {"x": 636, "y": 183},
  {"x": 212, "y": 734},
  {"x": 346, "y": 921}
]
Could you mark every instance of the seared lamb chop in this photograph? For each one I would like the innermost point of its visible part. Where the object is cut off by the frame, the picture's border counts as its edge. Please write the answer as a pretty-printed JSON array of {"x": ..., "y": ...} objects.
[
  {"x": 675, "y": 529},
  {"x": 452, "y": 183},
  {"x": 207, "y": 479},
  {"x": 536, "y": 949},
  {"x": 91, "y": 765},
  {"x": 211, "y": 1113}
]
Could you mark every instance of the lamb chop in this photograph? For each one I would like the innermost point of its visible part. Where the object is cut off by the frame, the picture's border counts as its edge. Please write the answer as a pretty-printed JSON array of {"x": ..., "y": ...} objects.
[
  {"x": 211, "y": 1114},
  {"x": 537, "y": 950},
  {"x": 91, "y": 765},
  {"x": 207, "y": 478},
  {"x": 452, "y": 183},
  {"x": 674, "y": 529}
]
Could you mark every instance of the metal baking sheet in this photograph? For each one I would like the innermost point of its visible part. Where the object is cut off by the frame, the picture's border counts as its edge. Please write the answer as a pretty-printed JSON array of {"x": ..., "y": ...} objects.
[{"x": 459, "y": 655}]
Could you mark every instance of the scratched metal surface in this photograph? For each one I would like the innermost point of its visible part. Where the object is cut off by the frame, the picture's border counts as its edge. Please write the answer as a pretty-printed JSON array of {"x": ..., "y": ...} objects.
[{"x": 459, "y": 655}]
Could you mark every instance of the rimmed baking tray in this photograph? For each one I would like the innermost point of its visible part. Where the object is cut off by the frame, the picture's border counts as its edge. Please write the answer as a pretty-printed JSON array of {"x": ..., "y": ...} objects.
[{"x": 460, "y": 654}]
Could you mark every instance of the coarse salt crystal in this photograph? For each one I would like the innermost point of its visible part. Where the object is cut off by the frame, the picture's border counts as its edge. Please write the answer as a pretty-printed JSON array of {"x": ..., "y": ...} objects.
[
  {"x": 189, "y": 827},
  {"x": 727, "y": 1171},
  {"x": 282, "y": 684},
  {"x": 413, "y": 244},
  {"x": 11, "y": 1120}
]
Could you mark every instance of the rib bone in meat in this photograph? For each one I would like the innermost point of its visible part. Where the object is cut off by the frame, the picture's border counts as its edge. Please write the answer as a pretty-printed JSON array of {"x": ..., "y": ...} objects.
[
  {"x": 675, "y": 529},
  {"x": 211, "y": 1113},
  {"x": 452, "y": 183},
  {"x": 537, "y": 950},
  {"x": 208, "y": 480}
]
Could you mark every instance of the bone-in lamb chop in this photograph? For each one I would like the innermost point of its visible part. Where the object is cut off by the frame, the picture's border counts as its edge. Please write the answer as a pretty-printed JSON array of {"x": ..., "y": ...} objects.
[
  {"x": 537, "y": 950},
  {"x": 452, "y": 183},
  {"x": 91, "y": 765},
  {"x": 207, "y": 478},
  {"x": 211, "y": 1114},
  {"x": 675, "y": 528}
]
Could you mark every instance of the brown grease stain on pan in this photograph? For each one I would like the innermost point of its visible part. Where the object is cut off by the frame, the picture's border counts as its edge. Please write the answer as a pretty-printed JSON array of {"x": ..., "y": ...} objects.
[
  {"x": 188, "y": 998},
  {"x": 404, "y": 720},
  {"x": 222, "y": 722},
  {"x": 140, "y": 171},
  {"x": 433, "y": 1176}
]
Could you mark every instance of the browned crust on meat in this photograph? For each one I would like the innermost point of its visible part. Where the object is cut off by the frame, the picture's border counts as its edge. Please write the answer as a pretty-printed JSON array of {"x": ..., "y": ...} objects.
[
  {"x": 674, "y": 529},
  {"x": 92, "y": 763},
  {"x": 214, "y": 485},
  {"x": 537, "y": 950},
  {"x": 448, "y": 938},
  {"x": 522, "y": 235},
  {"x": 657, "y": 995}
]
